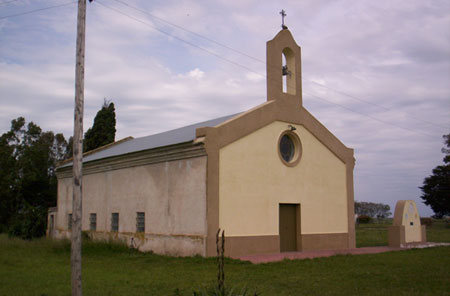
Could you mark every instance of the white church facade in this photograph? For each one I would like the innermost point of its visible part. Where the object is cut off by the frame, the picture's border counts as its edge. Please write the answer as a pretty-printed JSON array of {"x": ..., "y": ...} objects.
[{"x": 273, "y": 177}]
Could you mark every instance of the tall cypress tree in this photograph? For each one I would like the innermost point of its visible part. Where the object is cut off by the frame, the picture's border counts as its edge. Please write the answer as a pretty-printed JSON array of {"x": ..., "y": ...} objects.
[{"x": 103, "y": 130}]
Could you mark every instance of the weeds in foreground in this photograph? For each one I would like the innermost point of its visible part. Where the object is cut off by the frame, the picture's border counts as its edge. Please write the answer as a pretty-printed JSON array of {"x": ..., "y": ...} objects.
[
  {"x": 214, "y": 291},
  {"x": 220, "y": 289}
]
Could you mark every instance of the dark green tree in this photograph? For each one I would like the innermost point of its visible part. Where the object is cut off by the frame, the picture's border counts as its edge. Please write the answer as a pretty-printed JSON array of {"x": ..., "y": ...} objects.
[
  {"x": 103, "y": 130},
  {"x": 436, "y": 188},
  {"x": 373, "y": 210},
  {"x": 8, "y": 180},
  {"x": 28, "y": 158},
  {"x": 69, "y": 150}
]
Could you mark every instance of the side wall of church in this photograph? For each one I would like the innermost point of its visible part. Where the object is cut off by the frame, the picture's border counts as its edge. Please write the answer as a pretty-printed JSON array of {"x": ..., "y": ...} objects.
[
  {"x": 172, "y": 194},
  {"x": 254, "y": 181}
]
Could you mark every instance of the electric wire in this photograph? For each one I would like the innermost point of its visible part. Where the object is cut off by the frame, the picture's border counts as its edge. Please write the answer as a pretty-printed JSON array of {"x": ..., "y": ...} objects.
[
  {"x": 369, "y": 116},
  {"x": 178, "y": 38},
  {"x": 221, "y": 57},
  {"x": 6, "y": 2},
  {"x": 216, "y": 55},
  {"x": 36, "y": 10},
  {"x": 188, "y": 31},
  {"x": 227, "y": 60},
  {"x": 263, "y": 62},
  {"x": 251, "y": 70},
  {"x": 373, "y": 104}
]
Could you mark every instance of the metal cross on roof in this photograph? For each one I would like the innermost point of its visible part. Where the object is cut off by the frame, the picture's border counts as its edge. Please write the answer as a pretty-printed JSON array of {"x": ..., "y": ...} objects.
[{"x": 283, "y": 14}]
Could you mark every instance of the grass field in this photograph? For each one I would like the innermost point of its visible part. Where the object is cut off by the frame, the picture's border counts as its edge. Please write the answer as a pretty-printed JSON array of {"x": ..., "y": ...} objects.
[
  {"x": 376, "y": 234},
  {"x": 42, "y": 267}
]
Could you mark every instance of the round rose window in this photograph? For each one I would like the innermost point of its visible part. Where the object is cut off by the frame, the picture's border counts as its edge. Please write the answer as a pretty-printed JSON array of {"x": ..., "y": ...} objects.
[{"x": 289, "y": 148}]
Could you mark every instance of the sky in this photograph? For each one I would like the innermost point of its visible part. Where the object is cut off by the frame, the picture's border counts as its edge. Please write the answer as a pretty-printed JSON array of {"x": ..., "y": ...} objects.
[{"x": 375, "y": 73}]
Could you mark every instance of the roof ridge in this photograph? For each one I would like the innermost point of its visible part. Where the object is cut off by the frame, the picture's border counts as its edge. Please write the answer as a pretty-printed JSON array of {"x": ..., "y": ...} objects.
[
  {"x": 227, "y": 117},
  {"x": 96, "y": 150},
  {"x": 178, "y": 135}
]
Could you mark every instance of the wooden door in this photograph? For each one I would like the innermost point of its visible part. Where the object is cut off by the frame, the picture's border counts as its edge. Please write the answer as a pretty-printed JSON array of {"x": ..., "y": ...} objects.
[{"x": 288, "y": 227}]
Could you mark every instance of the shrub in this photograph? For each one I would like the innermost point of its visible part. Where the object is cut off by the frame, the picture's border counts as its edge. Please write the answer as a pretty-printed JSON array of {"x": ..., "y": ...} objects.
[
  {"x": 85, "y": 236},
  {"x": 426, "y": 221},
  {"x": 447, "y": 222},
  {"x": 29, "y": 223},
  {"x": 3, "y": 228},
  {"x": 363, "y": 219}
]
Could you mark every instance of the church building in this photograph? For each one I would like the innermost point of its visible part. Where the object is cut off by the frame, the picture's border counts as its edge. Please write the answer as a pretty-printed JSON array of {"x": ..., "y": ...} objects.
[{"x": 273, "y": 177}]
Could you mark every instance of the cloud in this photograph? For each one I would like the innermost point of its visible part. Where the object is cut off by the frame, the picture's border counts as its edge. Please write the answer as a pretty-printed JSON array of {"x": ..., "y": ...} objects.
[{"x": 388, "y": 60}]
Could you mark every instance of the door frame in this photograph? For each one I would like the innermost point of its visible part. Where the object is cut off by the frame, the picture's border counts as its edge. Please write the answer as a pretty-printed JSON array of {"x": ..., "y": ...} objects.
[{"x": 297, "y": 225}]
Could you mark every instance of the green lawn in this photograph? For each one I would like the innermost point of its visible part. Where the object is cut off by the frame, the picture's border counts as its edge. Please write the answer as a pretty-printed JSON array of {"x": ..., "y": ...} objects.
[
  {"x": 376, "y": 234},
  {"x": 42, "y": 267}
]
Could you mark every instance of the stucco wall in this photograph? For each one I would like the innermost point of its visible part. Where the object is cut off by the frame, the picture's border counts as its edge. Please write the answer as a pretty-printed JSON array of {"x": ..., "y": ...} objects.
[
  {"x": 253, "y": 181},
  {"x": 407, "y": 216},
  {"x": 411, "y": 222},
  {"x": 172, "y": 194}
]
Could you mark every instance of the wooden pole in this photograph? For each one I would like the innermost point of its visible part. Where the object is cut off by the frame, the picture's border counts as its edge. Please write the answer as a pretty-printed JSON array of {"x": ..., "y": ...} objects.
[{"x": 78, "y": 152}]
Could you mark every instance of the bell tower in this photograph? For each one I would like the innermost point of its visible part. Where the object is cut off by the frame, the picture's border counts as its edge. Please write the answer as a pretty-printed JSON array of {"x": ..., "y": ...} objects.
[{"x": 284, "y": 77}]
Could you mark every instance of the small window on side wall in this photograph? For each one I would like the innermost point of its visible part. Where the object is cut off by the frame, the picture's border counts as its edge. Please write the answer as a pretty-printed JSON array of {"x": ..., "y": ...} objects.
[
  {"x": 140, "y": 222},
  {"x": 52, "y": 222},
  {"x": 115, "y": 222},
  {"x": 69, "y": 222},
  {"x": 93, "y": 222}
]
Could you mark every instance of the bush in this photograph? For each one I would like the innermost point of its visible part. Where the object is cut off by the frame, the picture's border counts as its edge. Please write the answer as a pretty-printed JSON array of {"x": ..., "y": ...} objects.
[
  {"x": 29, "y": 223},
  {"x": 447, "y": 222},
  {"x": 363, "y": 219},
  {"x": 3, "y": 228},
  {"x": 426, "y": 221}
]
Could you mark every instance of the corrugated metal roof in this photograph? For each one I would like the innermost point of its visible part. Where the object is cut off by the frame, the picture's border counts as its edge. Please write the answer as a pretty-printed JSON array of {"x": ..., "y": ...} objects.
[{"x": 175, "y": 136}]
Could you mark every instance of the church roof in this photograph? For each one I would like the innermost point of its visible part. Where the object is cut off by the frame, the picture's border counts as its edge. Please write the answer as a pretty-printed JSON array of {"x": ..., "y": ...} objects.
[{"x": 176, "y": 136}]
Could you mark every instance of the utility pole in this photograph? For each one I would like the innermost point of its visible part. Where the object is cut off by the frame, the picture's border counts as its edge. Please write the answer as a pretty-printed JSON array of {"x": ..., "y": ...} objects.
[{"x": 75, "y": 259}]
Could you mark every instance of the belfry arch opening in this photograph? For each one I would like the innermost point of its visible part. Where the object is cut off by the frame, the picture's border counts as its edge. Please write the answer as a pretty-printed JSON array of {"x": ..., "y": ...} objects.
[{"x": 288, "y": 71}]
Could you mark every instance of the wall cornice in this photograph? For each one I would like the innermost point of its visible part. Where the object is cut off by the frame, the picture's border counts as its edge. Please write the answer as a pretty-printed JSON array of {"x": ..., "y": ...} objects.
[{"x": 162, "y": 154}]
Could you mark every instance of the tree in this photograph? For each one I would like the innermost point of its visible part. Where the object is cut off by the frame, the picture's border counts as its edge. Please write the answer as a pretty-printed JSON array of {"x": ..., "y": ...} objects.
[
  {"x": 103, "y": 130},
  {"x": 373, "y": 210},
  {"x": 28, "y": 158},
  {"x": 8, "y": 177},
  {"x": 436, "y": 187}
]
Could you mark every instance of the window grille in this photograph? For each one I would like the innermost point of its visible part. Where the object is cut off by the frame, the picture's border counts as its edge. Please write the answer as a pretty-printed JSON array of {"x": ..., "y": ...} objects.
[
  {"x": 52, "y": 222},
  {"x": 115, "y": 222},
  {"x": 69, "y": 222},
  {"x": 140, "y": 222},
  {"x": 93, "y": 222}
]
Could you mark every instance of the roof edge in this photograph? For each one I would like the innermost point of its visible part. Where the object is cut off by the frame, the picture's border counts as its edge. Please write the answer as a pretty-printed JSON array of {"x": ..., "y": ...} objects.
[
  {"x": 276, "y": 110},
  {"x": 69, "y": 160},
  {"x": 143, "y": 157}
]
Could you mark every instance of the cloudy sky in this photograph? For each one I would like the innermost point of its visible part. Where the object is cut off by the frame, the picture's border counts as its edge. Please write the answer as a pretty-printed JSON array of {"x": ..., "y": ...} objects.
[{"x": 376, "y": 73}]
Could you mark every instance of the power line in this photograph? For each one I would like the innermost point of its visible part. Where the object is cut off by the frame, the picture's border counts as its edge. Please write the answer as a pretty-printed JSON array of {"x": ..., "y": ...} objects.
[
  {"x": 369, "y": 116},
  {"x": 6, "y": 2},
  {"x": 225, "y": 59},
  {"x": 373, "y": 104},
  {"x": 183, "y": 40},
  {"x": 251, "y": 70},
  {"x": 261, "y": 61},
  {"x": 36, "y": 10},
  {"x": 188, "y": 31},
  {"x": 180, "y": 39}
]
